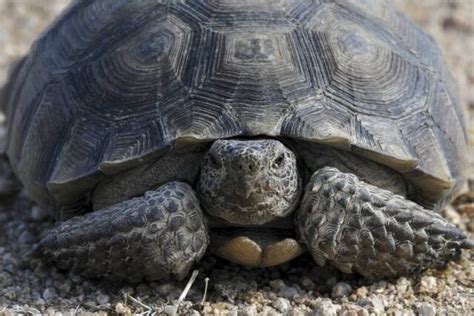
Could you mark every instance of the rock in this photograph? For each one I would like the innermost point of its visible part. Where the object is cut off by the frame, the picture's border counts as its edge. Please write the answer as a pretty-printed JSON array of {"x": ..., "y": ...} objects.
[
  {"x": 362, "y": 292},
  {"x": 378, "y": 287},
  {"x": 38, "y": 214},
  {"x": 75, "y": 278},
  {"x": 352, "y": 310},
  {"x": 232, "y": 288},
  {"x": 170, "y": 310},
  {"x": 143, "y": 290},
  {"x": 282, "y": 304},
  {"x": 103, "y": 299},
  {"x": 65, "y": 286},
  {"x": 49, "y": 293},
  {"x": 26, "y": 238},
  {"x": 266, "y": 310},
  {"x": 165, "y": 289},
  {"x": 221, "y": 306},
  {"x": 122, "y": 309},
  {"x": 326, "y": 308},
  {"x": 377, "y": 303},
  {"x": 363, "y": 302},
  {"x": 407, "y": 312},
  {"x": 426, "y": 310},
  {"x": 402, "y": 285},
  {"x": 277, "y": 284},
  {"x": 289, "y": 292},
  {"x": 466, "y": 209},
  {"x": 39, "y": 301},
  {"x": 308, "y": 284},
  {"x": 331, "y": 281},
  {"x": 428, "y": 285},
  {"x": 454, "y": 217},
  {"x": 249, "y": 310},
  {"x": 341, "y": 289}
]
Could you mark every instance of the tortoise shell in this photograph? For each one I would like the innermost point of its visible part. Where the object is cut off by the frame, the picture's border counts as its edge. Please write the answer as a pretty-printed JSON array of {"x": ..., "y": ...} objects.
[{"x": 114, "y": 83}]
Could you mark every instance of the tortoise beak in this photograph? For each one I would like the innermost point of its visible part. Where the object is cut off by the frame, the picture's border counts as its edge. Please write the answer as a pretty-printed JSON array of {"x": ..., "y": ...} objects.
[
  {"x": 248, "y": 185},
  {"x": 244, "y": 190}
]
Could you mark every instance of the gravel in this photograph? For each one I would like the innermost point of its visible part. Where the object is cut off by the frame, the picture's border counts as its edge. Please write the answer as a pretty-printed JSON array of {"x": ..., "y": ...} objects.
[
  {"x": 341, "y": 289},
  {"x": 299, "y": 287},
  {"x": 282, "y": 304}
]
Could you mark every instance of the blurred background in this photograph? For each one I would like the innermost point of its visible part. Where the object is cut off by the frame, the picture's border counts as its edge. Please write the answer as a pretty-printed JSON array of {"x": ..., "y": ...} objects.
[{"x": 449, "y": 22}]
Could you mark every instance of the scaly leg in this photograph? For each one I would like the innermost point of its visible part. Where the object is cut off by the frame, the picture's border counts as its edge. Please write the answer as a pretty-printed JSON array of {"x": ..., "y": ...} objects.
[
  {"x": 361, "y": 228},
  {"x": 158, "y": 235}
]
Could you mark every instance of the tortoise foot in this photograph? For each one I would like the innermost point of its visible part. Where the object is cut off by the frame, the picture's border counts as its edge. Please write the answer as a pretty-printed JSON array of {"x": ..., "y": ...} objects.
[
  {"x": 361, "y": 228},
  {"x": 156, "y": 236}
]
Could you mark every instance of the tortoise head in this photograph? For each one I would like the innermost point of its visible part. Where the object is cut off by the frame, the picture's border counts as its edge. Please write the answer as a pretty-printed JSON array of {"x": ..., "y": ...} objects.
[{"x": 249, "y": 182}]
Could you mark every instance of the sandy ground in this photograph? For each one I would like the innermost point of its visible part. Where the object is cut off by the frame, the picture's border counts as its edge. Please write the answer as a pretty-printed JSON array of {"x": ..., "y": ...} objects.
[{"x": 292, "y": 288}]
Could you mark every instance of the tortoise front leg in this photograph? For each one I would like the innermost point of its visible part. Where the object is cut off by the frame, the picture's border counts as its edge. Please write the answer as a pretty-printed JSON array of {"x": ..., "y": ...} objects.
[
  {"x": 361, "y": 228},
  {"x": 158, "y": 235}
]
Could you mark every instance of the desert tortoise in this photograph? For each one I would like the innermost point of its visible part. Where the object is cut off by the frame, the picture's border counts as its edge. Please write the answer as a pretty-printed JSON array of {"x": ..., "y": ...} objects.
[{"x": 158, "y": 129}]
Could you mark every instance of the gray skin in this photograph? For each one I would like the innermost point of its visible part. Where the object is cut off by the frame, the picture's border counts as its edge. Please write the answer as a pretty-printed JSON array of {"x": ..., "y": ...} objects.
[
  {"x": 342, "y": 220},
  {"x": 249, "y": 182}
]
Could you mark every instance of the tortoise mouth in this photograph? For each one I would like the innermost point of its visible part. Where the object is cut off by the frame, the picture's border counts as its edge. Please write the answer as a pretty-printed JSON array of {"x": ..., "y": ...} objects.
[
  {"x": 256, "y": 209},
  {"x": 282, "y": 223}
]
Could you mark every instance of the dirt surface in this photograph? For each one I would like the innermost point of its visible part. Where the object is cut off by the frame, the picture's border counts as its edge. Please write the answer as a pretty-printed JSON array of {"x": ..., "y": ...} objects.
[{"x": 299, "y": 287}]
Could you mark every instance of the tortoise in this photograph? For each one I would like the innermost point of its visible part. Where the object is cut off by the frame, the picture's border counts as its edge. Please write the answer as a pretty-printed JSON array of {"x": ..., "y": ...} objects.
[{"x": 156, "y": 131}]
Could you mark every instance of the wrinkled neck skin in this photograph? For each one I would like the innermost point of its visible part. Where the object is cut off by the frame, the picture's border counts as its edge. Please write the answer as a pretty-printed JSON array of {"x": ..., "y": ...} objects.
[
  {"x": 244, "y": 182},
  {"x": 249, "y": 182}
]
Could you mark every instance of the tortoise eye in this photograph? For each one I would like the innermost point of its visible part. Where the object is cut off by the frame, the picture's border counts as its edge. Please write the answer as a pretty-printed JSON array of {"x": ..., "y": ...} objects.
[{"x": 278, "y": 162}]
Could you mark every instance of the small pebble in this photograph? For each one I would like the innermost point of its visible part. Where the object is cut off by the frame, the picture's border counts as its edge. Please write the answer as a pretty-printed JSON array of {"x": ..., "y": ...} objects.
[
  {"x": 40, "y": 301},
  {"x": 426, "y": 310},
  {"x": 331, "y": 281},
  {"x": 249, "y": 310},
  {"x": 402, "y": 285},
  {"x": 289, "y": 292},
  {"x": 377, "y": 303},
  {"x": 282, "y": 304},
  {"x": 277, "y": 284},
  {"x": 49, "y": 293},
  {"x": 121, "y": 309},
  {"x": 38, "y": 214},
  {"x": 266, "y": 310},
  {"x": 362, "y": 292},
  {"x": 341, "y": 289},
  {"x": 27, "y": 238},
  {"x": 428, "y": 284},
  {"x": 165, "y": 289},
  {"x": 378, "y": 287},
  {"x": 467, "y": 209},
  {"x": 363, "y": 302},
  {"x": 308, "y": 284},
  {"x": 103, "y": 299},
  {"x": 170, "y": 310},
  {"x": 452, "y": 215},
  {"x": 327, "y": 308}
]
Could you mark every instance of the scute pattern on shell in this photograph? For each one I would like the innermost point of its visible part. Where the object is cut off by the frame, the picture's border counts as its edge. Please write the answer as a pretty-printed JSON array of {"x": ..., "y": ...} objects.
[{"x": 116, "y": 81}]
